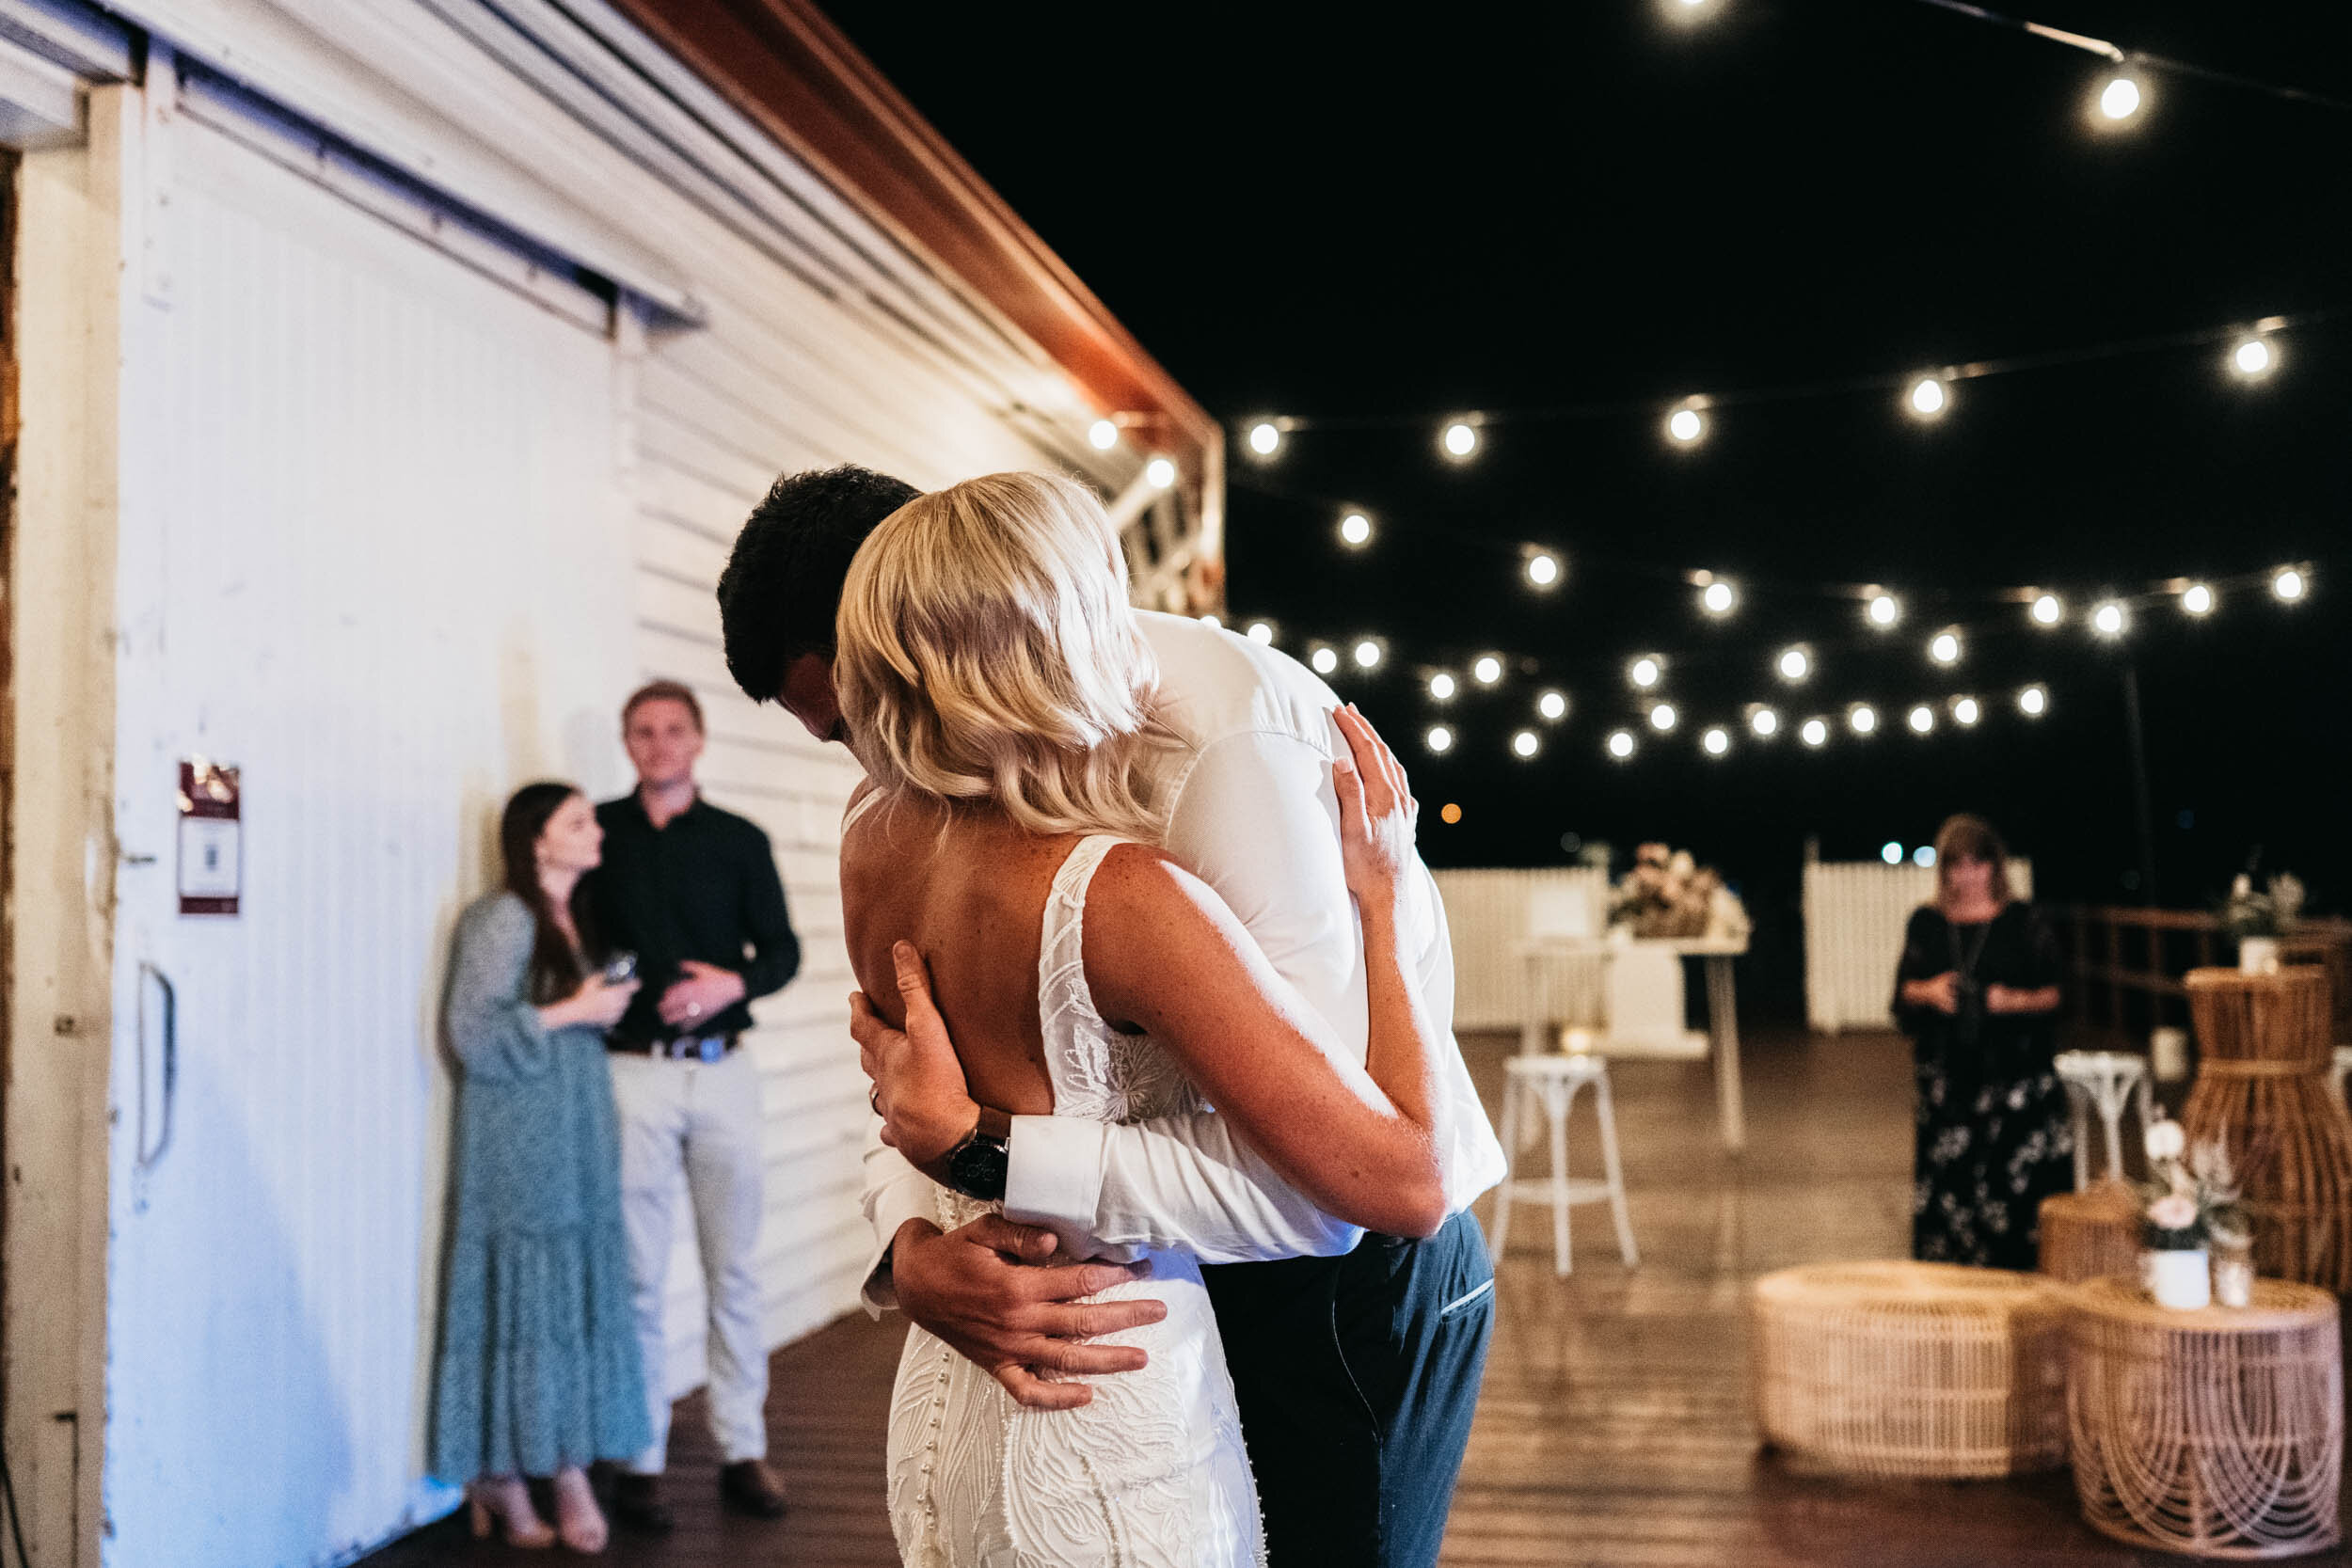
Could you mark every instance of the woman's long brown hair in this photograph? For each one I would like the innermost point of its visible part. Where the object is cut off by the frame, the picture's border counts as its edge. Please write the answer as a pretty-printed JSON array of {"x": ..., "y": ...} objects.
[{"x": 555, "y": 968}]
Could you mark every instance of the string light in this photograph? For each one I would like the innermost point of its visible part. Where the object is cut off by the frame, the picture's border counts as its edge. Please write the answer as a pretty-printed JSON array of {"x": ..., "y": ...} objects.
[
  {"x": 1442, "y": 686},
  {"x": 2288, "y": 584},
  {"x": 1439, "y": 739},
  {"x": 1488, "y": 670},
  {"x": 1265, "y": 438},
  {"x": 1101, "y": 435},
  {"x": 2033, "y": 702},
  {"x": 1449, "y": 814},
  {"x": 1662, "y": 717},
  {"x": 1621, "y": 744},
  {"x": 1965, "y": 711},
  {"x": 2120, "y": 99},
  {"x": 1927, "y": 398},
  {"x": 1716, "y": 741},
  {"x": 1686, "y": 425},
  {"x": 1794, "y": 664},
  {"x": 1815, "y": 733},
  {"x": 2197, "y": 599},
  {"x": 1542, "y": 569},
  {"x": 1524, "y": 744},
  {"x": 2108, "y": 620},
  {"x": 1892, "y": 853},
  {"x": 2047, "y": 610},
  {"x": 1924, "y": 857},
  {"x": 1459, "y": 440},
  {"x": 1881, "y": 609},
  {"x": 2251, "y": 358},
  {"x": 1646, "y": 671},
  {"x": 1159, "y": 473},
  {"x": 1922, "y": 719},
  {"x": 1367, "y": 654},
  {"x": 1211, "y": 621},
  {"x": 1718, "y": 598},
  {"x": 1324, "y": 660},
  {"x": 1765, "y": 722},
  {"x": 1944, "y": 647},
  {"x": 1552, "y": 705},
  {"x": 1356, "y": 529},
  {"x": 1862, "y": 718},
  {"x": 1262, "y": 634}
]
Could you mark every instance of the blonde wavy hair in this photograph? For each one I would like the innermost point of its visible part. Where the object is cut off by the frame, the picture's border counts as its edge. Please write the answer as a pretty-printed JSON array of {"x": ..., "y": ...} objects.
[{"x": 986, "y": 654}]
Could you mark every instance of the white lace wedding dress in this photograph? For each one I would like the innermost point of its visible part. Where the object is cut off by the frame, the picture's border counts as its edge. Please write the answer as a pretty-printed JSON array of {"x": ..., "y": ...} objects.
[{"x": 1152, "y": 1473}]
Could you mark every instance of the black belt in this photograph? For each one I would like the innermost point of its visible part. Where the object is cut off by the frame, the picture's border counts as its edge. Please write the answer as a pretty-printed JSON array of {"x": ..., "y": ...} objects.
[{"x": 686, "y": 1048}]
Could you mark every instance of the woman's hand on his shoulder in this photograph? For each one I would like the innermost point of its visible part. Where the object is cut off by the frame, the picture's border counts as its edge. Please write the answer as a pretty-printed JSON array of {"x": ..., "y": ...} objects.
[{"x": 1377, "y": 814}]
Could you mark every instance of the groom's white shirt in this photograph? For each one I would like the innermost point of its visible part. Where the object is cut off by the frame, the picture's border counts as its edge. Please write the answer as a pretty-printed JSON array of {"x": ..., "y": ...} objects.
[{"x": 1254, "y": 817}]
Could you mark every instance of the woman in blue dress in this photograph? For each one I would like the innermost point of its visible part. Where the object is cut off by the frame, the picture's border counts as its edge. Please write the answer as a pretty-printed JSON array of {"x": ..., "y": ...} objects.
[{"x": 537, "y": 1373}]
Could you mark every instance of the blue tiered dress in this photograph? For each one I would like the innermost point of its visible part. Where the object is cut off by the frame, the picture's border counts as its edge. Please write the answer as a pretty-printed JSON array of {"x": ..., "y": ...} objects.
[{"x": 538, "y": 1366}]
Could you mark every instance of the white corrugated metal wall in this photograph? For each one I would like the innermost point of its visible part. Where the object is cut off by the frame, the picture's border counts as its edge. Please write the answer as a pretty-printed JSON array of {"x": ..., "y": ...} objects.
[{"x": 1854, "y": 916}]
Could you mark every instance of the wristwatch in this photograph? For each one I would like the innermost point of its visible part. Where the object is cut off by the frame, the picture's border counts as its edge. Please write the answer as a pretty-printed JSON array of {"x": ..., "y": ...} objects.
[{"x": 975, "y": 1167}]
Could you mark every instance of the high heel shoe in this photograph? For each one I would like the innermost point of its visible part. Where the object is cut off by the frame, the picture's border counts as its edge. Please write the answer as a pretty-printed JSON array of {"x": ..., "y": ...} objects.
[
  {"x": 579, "y": 1523},
  {"x": 505, "y": 1503}
]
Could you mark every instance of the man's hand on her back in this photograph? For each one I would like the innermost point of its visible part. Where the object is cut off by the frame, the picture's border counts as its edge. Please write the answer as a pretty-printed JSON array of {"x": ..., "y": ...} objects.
[
  {"x": 989, "y": 1289},
  {"x": 919, "y": 1088}
]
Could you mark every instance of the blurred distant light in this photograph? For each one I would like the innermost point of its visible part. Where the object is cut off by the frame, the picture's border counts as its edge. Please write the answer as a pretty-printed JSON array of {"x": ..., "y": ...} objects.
[
  {"x": 2289, "y": 584},
  {"x": 1927, "y": 397},
  {"x": 1944, "y": 647},
  {"x": 1794, "y": 664},
  {"x": 1685, "y": 426},
  {"x": 1261, "y": 634},
  {"x": 1525, "y": 744},
  {"x": 1324, "y": 660},
  {"x": 1460, "y": 439},
  {"x": 1924, "y": 857},
  {"x": 1442, "y": 686},
  {"x": 1883, "y": 610},
  {"x": 1717, "y": 741},
  {"x": 2120, "y": 99},
  {"x": 1965, "y": 710},
  {"x": 1862, "y": 718},
  {"x": 1815, "y": 731},
  {"x": 2108, "y": 620},
  {"x": 1718, "y": 598},
  {"x": 1621, "y": 744},
  {"x": 1103, "y": 434},
  {"x": 2034, "y": 701},
  {"x": 1921, "y": 718},
  {"x": 1891, "y": 853},
  {"x": 1552, "y": 705},
  {"x": 1367, "y": 654},
  {"x": 1440, "y": 738},
  {"x": 1159, "y": 473},
  {"x": 1764, "y": 721},
  {"x": 1449, "y": 813},
  {"x": 2252, "y": 358},
  {"x": 1488, "y": 670},
  {"x": 2197, "y": 599},
  {"x": 1662, "y": 717},
  {"x": 1645, "y": 671},
  {"x": 1355, "y": 529},
  {"x": 2048, "y": 609},
  {"x": 1211, "y": 621},
  {"x": 1266, "y": 437},
  {"x": 1542, "y": 569}
]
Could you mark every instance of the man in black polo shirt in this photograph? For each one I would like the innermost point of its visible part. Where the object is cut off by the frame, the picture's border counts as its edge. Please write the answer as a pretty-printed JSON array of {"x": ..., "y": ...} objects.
[{"x": 693, "y": 890}]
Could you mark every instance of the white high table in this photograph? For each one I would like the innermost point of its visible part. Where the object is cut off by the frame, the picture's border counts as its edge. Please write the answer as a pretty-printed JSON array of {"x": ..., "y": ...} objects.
[{"x": 1539, "y": 955}]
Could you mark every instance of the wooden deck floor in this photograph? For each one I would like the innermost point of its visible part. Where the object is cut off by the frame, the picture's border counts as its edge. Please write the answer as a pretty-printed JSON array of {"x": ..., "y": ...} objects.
[{"x": 1613, "y": 1429}]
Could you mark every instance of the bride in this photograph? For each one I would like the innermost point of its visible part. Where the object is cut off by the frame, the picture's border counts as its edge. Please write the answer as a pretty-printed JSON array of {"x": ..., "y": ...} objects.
[{"x": 1001, "y": 698}]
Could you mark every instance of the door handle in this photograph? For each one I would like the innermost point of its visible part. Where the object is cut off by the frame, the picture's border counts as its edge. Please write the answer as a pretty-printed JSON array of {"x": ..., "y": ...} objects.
[{"x": 148, "y": 1159}]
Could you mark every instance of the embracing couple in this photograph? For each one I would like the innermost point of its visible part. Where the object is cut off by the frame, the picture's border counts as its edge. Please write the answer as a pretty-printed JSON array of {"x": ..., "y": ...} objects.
[{"x": 1177, "y": 1146}]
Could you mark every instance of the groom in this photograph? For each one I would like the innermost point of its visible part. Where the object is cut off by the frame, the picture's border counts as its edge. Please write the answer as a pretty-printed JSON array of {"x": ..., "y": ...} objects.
[{"x": 1356, "y": 1358}]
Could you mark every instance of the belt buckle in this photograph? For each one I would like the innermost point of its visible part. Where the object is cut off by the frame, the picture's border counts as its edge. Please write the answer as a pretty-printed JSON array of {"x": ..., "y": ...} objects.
[{"x": 711, "y": 1047}]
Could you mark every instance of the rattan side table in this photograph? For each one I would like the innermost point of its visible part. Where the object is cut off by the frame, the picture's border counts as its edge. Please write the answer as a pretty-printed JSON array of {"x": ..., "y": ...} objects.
[
  {"x": 2089, "y": 1233},
  {"x": 2215, "y": 1433}
]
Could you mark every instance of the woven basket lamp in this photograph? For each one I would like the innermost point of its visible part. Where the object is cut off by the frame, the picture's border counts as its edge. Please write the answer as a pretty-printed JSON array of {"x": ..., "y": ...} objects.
[
  {"x": 2090, "y": 1233},
  {"x": 2262, "y": 1088},
  {"x": 2217, "y": 1432},
  {"x": 1888, "y": 1369}
]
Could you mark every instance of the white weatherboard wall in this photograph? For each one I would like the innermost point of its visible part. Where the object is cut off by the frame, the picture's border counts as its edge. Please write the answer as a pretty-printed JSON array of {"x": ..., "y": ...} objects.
[
  {"x": 1854, "y": 918},
  {"x": 1491, "y": 911}
]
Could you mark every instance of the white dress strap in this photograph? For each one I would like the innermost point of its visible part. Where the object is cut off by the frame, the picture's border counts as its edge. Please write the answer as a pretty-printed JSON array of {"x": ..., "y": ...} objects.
[
  {"x": 858, "y": 808},
  {"x": 1097, "y": 1072}
]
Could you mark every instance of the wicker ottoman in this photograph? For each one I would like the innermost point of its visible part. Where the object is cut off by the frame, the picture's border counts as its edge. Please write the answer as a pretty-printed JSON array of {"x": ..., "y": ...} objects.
[
  {"x": 2217, "y": 1432},
  {"x": 1887, "y": 1369},
  {"x": 2089, "y": 1233}
]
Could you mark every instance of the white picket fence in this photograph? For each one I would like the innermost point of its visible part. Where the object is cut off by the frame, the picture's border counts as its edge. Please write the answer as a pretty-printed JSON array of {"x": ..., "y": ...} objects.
[
  {"x": 1854, "y": 916},
  {"x": 1491, "y": 912}
]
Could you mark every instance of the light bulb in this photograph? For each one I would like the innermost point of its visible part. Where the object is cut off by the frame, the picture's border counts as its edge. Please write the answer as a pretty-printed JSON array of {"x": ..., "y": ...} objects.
[
  {"x": 1685, "y": 425},
  {"x": 1944, "y": 647},
  {"x": 1211, "y": 621},
  {"x": 1621, "y": 744},
  {"x": 2251, "y": 358},
  {"x": 1552, "y": 705},
  {"x": 1488, "y": 670},
  {"x": 2034, "y": 701},
  {"x": 1543, "y": 569},
  {"x": 1922, "y": 719},
  {"x": 1103, "y": 434},
  {"x": 1525, "y": 744},
  {"x": 1661, "y": 717},
  {"x": 1442, "y": 686},
  {"x": 1367, "y": 654},
  {"x": 1718, "y": 598},
  {"x": 1440, "y": 738},
  {"x": 1266, "y": 437},
  {"x": 1324, "y": 660},
  {"x": 2288, "y": 584},
  {"x": 1159, "y": 473},
  {"x": 1815, "y": 731},
  {"x": 2047, "y": 610},
  {"x": 1355, "y": 529},
  {"x": 1863, "y": 717},
  {"x": 1460, "y": 439},
  {"x": 2197, "y": 599},
  {"x": 1883, "y": 610},
  {"x": 1795, "y": 664},
  {"x": 1924, "y": 857},
  {"x": 1644, "y": 671},
  {"x": 1764, "y": 721},
  {"x": 2120, "y": 99},
  {"x": 1965, "y": 711},
  {"x": 1262, "y": 634},
  {"x": 1891, "y": 853},
  {"x": 2107, "y": 619},
  {"x": 1927, "y": 397},
  {"x": 1716, "y": 741}
]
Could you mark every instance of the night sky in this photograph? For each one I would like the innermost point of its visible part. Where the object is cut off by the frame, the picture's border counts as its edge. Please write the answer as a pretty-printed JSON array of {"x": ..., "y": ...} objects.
[{"x": 1339, "y": 212}]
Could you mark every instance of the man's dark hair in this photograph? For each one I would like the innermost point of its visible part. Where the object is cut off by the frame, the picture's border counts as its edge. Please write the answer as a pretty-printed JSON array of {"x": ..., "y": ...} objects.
[{"x": 782, "y": 588}]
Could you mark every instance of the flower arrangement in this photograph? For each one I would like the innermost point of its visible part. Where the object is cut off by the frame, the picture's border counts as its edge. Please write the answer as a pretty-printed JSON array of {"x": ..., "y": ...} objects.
[
  {"x": 1668, "y": 893},
  {"x": 2271, "y": 913},
  {"x": 2189, "y": 1201}
]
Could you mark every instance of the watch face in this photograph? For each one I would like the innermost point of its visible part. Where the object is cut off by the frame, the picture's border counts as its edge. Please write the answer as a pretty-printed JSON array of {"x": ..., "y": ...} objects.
[{"x": 978, "y": 1167}]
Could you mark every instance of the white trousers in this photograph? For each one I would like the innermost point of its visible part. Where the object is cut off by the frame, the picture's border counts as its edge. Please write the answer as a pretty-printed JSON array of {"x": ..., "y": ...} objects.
[{"x": 699, "y": 1120}]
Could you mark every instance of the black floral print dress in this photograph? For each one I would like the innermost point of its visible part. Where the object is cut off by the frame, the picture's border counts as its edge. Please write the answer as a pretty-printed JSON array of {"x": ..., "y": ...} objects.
[{"x": 1995, "y": 1135}]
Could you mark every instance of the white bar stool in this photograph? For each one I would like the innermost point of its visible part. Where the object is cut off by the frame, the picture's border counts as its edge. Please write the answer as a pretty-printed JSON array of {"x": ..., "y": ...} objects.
[
  {"x": 2106, "y": 1082},
  {"x": 2344, "y": 1067},
  {"x": 1550, "y": 1082}
]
